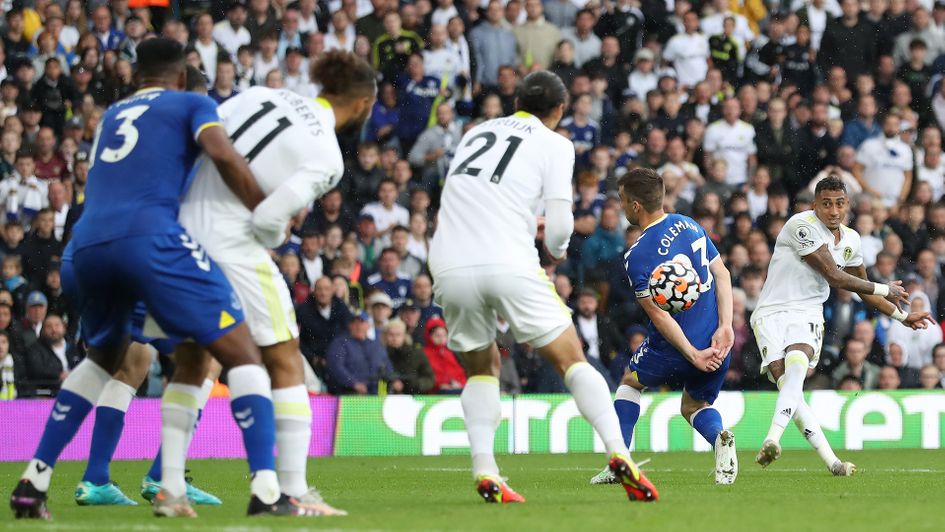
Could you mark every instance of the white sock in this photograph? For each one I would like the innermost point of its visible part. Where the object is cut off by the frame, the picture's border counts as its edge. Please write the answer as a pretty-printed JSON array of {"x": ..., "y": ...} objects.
[
  {"x": 590, "y": 392},
  {"x": 205, "y": 390},
  {"x": 482, "y": 412},
  {"x": 39, "y": 473},
  {"x": 178, "y": 415},
  {"x": 791, "y": 393},
  {"x": 117, "y": 395},
  {"x": 293, "y": 432},
  {"x": 806, "y": 422},
  {"x": 252, "y": 379}
]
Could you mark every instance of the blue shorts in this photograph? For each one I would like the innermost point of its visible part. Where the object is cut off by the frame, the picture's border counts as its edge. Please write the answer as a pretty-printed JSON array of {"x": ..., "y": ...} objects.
[
  {"x": 170, "y": 274},
  {"x": 654, "y": 369}
]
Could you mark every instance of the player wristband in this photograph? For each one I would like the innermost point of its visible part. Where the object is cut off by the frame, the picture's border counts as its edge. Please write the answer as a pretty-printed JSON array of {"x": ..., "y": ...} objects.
[
  {"x": 899, "y": 315},
  {"x": 880, "y": 289}
]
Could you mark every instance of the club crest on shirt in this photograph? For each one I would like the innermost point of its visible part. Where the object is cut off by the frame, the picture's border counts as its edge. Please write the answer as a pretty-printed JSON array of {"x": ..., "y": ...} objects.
[{"x": 847, "y": 253}]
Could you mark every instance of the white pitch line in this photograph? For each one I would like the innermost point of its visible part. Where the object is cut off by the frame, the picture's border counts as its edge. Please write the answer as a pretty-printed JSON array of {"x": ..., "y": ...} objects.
[{"x": 677, "y": 470}]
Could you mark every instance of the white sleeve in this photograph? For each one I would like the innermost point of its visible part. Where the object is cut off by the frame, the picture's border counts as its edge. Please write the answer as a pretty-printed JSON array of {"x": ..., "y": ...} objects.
[
  {"x": 559, "y": 224},
  {"x": 862, "y": 155},
  {"x": 669, "y": 53},
  {"x": 557, "y": 176},
  {"x": 802, "y": 237},
  {"x": 708, "y": 143},
  {"x": 299, "y": 191}
]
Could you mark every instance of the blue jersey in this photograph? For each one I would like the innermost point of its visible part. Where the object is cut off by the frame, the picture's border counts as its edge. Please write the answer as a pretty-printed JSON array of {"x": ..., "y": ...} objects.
[
  {"x": 142, "y": 158},
  {"x": 677, "y": 237}
]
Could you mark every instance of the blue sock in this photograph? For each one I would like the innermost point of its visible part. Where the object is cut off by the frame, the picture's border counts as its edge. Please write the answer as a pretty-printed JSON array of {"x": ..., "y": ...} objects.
[
  {"x": 109, "y": 423},
  {"x": 708, "y": 422},
  {"x": 155, "y": 472},
  {"x": 628, "y": 412},
  {"x": 255, "y": 416},
  {"x": 64, "y": 421}
]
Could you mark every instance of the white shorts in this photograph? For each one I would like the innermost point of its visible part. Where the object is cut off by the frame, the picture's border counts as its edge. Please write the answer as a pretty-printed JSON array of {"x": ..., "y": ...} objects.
[
  {"x": 472, "y": 297},
  {"x": 267, "y": 304},
  {"x": 775, "y": 332}
]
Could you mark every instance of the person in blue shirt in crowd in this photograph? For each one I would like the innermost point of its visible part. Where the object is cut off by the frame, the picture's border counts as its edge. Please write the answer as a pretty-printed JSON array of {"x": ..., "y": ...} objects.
[
  {"x": 388, "y": 280},
  {"x": 417, "y": 93},
  {"x": 357, "y": 364}
]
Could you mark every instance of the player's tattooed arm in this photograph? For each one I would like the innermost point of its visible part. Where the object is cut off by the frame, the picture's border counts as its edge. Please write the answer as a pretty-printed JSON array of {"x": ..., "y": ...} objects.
[
  {"x": 724, "y": 337},
  {"x": 822, "y": 262},
  {"x": 232, "y": 166},
  {"x": 705, "y": 360},
  {"x": 914, "y": 320}
]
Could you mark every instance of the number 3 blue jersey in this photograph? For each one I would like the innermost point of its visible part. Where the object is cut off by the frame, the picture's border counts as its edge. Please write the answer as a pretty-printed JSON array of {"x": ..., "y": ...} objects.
[
  {"x": 679, "y": 238},
  {"x": 141, "y": 162}
]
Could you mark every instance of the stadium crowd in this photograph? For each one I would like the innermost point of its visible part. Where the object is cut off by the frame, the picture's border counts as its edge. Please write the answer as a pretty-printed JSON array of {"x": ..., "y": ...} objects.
[{"x": 740, "y": 105}]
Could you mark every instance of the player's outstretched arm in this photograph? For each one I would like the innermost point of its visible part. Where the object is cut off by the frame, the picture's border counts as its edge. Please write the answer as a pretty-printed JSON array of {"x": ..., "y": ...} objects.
[
  {"x": 724, "y": 337},
  {"x": 232, "y": 166},
  {"x": 558, "y": 226},
  {"x": 823, "y": 262},
  {"x": 915, "y": 320},
  {"x": 705, "y": 360}
]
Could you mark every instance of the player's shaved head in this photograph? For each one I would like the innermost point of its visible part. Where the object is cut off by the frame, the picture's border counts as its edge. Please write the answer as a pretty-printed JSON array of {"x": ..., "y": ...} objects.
[
  {"x": 644, "y": 186},
  {"x": 160, "y": 59}
]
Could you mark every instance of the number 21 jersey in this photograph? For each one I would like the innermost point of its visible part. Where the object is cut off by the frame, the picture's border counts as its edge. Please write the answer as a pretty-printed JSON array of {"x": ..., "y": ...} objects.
[
  {"x": 143, "y": 153},
  {"x": 284, "y": 137},
  {"x": 502, "y": 172}
]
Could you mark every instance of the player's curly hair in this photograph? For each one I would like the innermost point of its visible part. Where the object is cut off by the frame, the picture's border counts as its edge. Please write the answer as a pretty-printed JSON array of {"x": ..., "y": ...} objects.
[{"x": 344, "y": 75}]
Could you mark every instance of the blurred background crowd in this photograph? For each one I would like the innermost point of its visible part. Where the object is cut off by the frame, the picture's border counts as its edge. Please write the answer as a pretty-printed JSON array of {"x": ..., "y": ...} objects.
[{"x": 741, "y": 106}]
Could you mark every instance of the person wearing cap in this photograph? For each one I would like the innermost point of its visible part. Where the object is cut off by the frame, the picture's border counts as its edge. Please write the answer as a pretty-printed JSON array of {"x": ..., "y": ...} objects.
[
  {"x": 231, "y": 33},
  {"x": 32, "y": 324},
  {"x": 322, "y": 318},
  {"x": 48, "y": 360},
  {"x": 380, "y": 306},
  {"x": 407, "y": 358},
  {"x": 357, "y": 364}
]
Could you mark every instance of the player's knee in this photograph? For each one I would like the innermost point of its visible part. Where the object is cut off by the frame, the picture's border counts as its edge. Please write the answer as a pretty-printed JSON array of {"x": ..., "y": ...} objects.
[
  {"x": 690, "y": 406},
  {"x": 804, "y": 348}
]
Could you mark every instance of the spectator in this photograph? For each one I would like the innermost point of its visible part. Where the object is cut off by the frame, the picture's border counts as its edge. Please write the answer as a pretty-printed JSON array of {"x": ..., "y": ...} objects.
[
  {"x": 367, "y": 245},
  {"x": 923, "y": 31},
  {"x": 688, "y": 52},
  {"x": 599, "y": 336},
  {"x": 357, "y": 364},
  {"x": 586, "y": 44},
  {"x": 312, "y": 263},
  {"x": 856, "y": 365},
  {"x": 410, "y": 265},
  {"x": 322, "y": 318},
  {"x": 917, "y": 345},
  {"x": 583, "y": 131},
  {"x": 417, "y": 92},
  {"x": 536, "y": 38},
  {"x": 386, "y": 213},
  {"x": 388, "y": 280},
  {"x": 391, "y": 50},
  {"x": 733, "y": 141},
  {"x": 380, "y": 307},
  {"x": 385, "y": 115},
  {"x": 864, "y": 126},
  {"x": 434, "y": 148},
  {"x": 908, "y": 377},
  {"x": 266, "y": 59},
  {"x": 291, "y": 269},
  {"x": 108, "y": 38},
  {"x": 223, "y": 87},
  {"x": 363, "y": 178},
  {"x": 48, "y": 361},
  {"x": 930, "y": 378},
  {"x": 40, "y": 246},
  {"x": 606, "y": 244},
  {"x": 449, "y": 375},
  {"x": 49, "y": 164},
  {"x": 848, "y": 42},
  {"x": 408, "y": 359},
  {"x": 440, "y": 60},
  {"x": 342, "y": 36},
  {"x": 726, "y": 52},
  {"x": 888, "y": 378},
  {"x": 331, "y": 211},
  {"x": 36, "y": 306},
  {"x": 8, "y": 369},
  {"x": 884, "y": 164},
  {"x": 289, "y": 35},
  {"x": 372, "y": 24},
  {"x": 492, "y": 45}
]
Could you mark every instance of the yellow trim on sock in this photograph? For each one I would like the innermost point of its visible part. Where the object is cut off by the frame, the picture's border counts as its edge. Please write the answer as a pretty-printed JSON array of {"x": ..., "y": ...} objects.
[
  {"x": 292, "y": 409},
  {"x": 795, "y": 358},
  {"x": 279, "y": 325},
  {"x": 485, "y": 379},
  {"x": 180, "y": 398},
  {"x": 567, "y": 374}
]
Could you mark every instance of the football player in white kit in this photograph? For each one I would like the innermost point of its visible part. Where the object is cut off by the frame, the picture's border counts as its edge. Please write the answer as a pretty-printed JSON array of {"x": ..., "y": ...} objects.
[
  {"x": 484, "y": 263},
  {"x": 291, "y": 145},
  {"x": 814, "y": 252}
]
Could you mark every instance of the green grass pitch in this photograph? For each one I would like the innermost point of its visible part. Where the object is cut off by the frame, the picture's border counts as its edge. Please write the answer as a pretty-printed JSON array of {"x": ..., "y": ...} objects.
[{"x": 893, "y": 490}]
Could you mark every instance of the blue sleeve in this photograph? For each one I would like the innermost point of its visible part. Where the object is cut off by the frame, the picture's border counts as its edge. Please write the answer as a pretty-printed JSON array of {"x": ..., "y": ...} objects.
[
  {"x": 335, "y": 359},
  {"x": 203, "y": 114},
  {"x": 711, "y": 252},
  {"x": 639, "y": 277}
]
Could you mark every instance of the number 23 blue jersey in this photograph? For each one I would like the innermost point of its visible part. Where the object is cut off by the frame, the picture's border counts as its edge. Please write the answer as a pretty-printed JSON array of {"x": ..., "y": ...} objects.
[
  {"x": 141, "y": 162},
  {"x": 680, "y": 238}
]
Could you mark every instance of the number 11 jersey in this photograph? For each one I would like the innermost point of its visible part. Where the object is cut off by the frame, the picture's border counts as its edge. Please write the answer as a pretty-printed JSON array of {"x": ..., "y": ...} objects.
[
  {"x": 501, "y": 173},
  {"x": 284, "y": 137}
]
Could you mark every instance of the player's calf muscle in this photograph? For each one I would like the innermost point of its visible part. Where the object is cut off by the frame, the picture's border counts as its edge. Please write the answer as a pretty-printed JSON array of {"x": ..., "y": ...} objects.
[{"x": 284, "y": 364}]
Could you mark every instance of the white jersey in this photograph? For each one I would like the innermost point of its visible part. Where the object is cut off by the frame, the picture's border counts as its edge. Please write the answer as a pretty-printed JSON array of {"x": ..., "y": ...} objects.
[
  {"x": 289, "y": 140},
  {"x": 688, "y": 54},
  {"x": 792, "y": 285},
  {"x": 502, "y": 172},
  {"x": 733, "y": 143}
]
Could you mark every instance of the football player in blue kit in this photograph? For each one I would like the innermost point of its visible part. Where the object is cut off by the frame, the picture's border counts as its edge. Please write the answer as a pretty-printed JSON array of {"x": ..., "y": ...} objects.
[
  {"x": 689, "y": 349},
  {"x": 128, "y": 247}
]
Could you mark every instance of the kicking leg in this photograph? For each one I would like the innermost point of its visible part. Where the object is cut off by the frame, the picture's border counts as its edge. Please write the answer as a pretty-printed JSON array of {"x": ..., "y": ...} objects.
[
  {"x": 791, "y": 372},
  {"x": 806, "y": 422},
  {"x": 589, "y": 389},
  {"x": 96, "y": 487},
  {"x": 627, "y": 405},
  {"x": 482, "y": 412}
]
